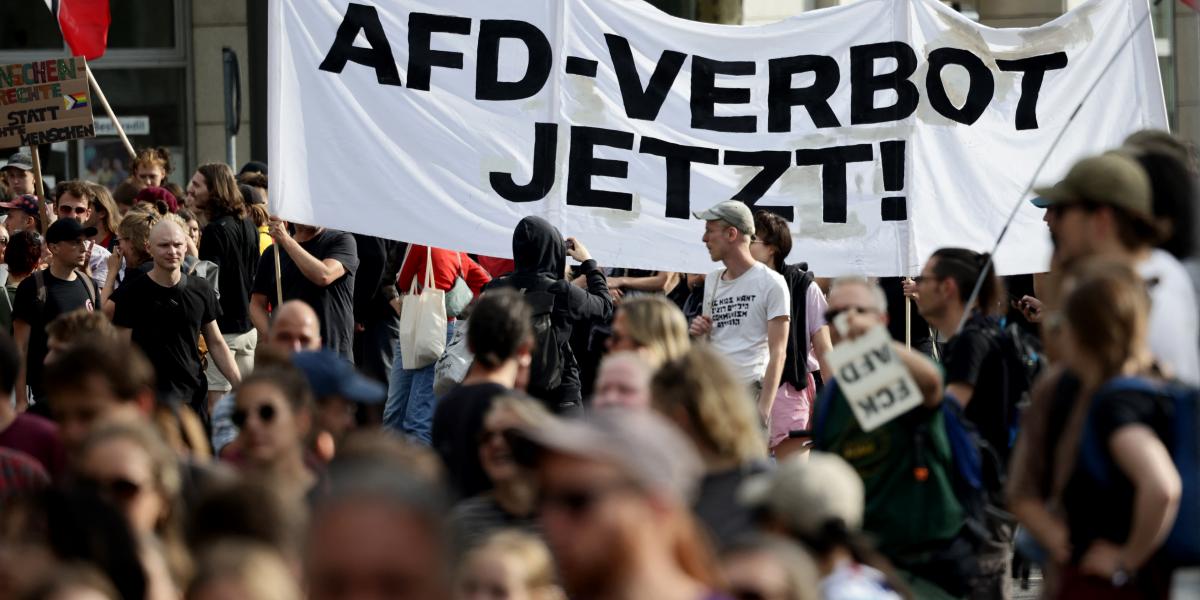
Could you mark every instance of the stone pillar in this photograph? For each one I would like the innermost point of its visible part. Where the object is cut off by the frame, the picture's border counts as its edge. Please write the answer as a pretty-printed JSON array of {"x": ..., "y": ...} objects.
[
  {"x": 217, "y": 24},
  {"x": 1019, "y": 13},
  {"x": 1187, "y": 70},
  {"x": 727, "y": 12},
  {"x": 757, "y": 12}
]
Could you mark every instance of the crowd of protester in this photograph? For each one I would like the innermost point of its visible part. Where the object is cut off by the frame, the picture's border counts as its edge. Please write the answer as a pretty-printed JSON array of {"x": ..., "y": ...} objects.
[{"x": 207, "y": 402}]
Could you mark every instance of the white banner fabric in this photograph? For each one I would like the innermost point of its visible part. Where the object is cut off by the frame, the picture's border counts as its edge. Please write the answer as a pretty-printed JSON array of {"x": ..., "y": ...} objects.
[{"x": 883, "y": 130}]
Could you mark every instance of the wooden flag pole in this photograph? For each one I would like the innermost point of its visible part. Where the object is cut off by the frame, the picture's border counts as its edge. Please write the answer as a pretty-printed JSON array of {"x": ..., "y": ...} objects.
[
  {"x": 111, "y": 115},
  {"x": 39, "y": 187},
  {"x": 278, "y": 283},
  {"x": 907, "y": 317}
]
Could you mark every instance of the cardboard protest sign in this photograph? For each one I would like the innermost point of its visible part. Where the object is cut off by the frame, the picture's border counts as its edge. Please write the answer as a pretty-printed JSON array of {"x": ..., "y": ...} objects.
[
  {"x": 875, "y": 383},
  {"x": 44, "y": 102},
  {"x": 881, "y": 130}
]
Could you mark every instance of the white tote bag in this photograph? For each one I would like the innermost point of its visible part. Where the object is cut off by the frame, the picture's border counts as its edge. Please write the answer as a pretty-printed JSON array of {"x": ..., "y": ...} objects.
[{"x": 423, "y": 321}]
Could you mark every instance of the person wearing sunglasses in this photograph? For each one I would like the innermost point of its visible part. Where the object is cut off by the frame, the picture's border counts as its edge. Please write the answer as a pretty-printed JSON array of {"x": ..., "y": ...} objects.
[
  {"x": 511, "y": 501},
  {"x": 273, "y": 414},
  {"x": 615, "y": 489},
  {"x": 128, "y": 464},
  {"x": 652, "y": 326},
  {"x": 1105, "y": 207},
  {"x": 75, "y": 200},
  {"x": 911, "y": 508}
]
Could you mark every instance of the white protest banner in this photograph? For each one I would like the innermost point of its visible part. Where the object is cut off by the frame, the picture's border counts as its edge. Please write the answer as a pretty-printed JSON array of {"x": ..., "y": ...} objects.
[
  {"x": 882, "y": 130},
  {"x": 876, "y": 384}
]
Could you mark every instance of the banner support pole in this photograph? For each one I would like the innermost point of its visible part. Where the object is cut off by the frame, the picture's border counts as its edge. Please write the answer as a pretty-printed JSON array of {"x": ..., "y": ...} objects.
[
  {"x": 278, "y": 283},
  {"x": 39, "y": 187},
  {"x": 908, "y": 317}
]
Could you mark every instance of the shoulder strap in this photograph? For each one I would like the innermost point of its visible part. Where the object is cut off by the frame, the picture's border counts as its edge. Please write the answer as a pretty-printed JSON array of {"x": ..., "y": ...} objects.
[
  {"x": 1130, "y": 384},
  {"x": 91, "y": 288},
  {"x": 39, "y": 282}
]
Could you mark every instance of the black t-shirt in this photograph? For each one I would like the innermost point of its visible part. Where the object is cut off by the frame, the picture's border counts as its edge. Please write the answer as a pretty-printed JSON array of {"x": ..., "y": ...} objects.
[
  {"x": 232, "y": 244},
  {"x": 333, "y": 304},
  {"x": 62, "y": 296},
  {"x": 378, "y": 265},
  {"x": 166, "y": 324},
  {"x": 717, "y": 506},
  {"x": 974, "y": 357},
  {"x": 457, "y": 423},
  {"x": 1089, "y": 520}
]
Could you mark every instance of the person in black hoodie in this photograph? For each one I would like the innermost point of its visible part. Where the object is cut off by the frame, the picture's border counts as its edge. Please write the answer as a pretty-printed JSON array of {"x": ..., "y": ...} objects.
[{"x": 540, "y": 255}]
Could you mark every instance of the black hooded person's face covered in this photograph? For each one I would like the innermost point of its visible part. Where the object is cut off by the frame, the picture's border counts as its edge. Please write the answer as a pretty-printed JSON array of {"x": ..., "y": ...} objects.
[{"x": 538, "y": 247}]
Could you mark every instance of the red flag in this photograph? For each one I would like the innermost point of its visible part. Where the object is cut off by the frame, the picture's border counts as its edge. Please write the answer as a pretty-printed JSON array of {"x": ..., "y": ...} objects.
[
  {"x": 1195, "y": 4},
  {"x": 84, "y": 24}
]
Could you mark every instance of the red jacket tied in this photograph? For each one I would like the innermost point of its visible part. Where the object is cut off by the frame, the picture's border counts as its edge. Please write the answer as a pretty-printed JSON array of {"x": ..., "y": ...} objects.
[{"x": 447, "y": 264}]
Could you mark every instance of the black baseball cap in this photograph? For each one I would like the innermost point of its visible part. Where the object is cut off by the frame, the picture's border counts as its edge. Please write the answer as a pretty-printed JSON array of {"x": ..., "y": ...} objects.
[{"x": 66, "y": 230}]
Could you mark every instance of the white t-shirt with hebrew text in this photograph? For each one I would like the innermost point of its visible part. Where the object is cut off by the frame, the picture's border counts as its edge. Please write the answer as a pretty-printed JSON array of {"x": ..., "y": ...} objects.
[{"x": 740, "y": 310}]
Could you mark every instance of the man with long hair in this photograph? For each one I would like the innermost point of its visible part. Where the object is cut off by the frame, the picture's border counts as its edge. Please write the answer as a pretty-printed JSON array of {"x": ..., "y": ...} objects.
[{"x": 229, "y": 240}]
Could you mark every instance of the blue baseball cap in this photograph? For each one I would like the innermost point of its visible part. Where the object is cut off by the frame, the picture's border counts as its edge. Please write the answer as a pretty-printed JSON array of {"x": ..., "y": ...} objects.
[{"x": 329, "y": 374}]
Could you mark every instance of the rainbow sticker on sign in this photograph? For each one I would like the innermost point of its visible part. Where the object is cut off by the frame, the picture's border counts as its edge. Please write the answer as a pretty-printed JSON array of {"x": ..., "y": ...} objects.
[{"x": 74, "y": 101}]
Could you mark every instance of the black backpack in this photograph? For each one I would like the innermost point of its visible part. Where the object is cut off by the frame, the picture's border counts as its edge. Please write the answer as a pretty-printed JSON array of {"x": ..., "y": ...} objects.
[
  {"x": 1021, "y": 364},
  {"x": 546, "y": 372},
  {"x": 547, "y": 369}
]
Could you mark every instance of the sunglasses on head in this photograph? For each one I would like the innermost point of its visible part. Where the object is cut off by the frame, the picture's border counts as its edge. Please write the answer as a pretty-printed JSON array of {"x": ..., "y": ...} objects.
[
  {"x": 119, "y": 489},
  {"x": 266, "y": 414}
]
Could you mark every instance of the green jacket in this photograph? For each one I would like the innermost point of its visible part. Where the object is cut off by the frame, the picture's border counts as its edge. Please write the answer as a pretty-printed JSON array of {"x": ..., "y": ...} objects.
[{"x": 909, "y": 510}]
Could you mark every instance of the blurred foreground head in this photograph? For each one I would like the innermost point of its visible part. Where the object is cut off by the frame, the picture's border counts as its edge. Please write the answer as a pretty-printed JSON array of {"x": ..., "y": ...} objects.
[
  {"x": 615, "y": 492},
  {"x": 377, "y": 535}
]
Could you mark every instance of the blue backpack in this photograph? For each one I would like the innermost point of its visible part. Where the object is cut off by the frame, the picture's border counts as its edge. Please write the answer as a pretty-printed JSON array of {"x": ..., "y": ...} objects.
[{"x": 1182, "y": 546}]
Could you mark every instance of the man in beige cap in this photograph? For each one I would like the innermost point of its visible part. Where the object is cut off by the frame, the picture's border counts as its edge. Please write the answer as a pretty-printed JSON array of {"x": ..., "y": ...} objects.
[
  {"x": 615, "y": 490},
  {"x": 1104, "y": 207},
  {"x": 746, "y": 307}
]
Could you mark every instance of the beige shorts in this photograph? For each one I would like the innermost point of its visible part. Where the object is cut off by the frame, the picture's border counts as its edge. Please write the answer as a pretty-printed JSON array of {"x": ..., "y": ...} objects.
[{"x": 242, "y": 346}]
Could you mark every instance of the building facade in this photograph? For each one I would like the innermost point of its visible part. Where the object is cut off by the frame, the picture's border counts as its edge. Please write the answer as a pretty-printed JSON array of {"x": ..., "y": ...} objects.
[{"x": 164, "y": 74}]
